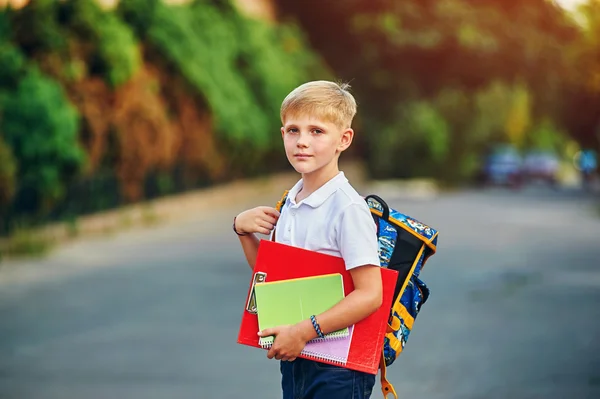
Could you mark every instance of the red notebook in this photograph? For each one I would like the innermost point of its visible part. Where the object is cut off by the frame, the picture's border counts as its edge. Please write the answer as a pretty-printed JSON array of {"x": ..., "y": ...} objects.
[{"x": 282, "y": 262}]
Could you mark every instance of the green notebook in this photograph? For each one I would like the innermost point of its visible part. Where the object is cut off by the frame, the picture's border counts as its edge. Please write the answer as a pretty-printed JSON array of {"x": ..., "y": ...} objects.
[{"x": 291, "y": 301}]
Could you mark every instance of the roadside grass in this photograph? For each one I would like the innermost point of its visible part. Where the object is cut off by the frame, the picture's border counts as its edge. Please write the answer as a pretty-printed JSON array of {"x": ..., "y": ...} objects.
[{"x": 25, "y": 242}]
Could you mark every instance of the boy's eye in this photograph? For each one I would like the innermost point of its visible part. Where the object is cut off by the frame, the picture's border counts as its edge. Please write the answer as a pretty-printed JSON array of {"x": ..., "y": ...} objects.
[
  {"x": 292, "y": 130},
  {"x": 317, "y": 131}
]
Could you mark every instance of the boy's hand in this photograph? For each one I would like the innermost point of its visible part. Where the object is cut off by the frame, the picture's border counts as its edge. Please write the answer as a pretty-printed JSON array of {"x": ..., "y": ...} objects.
[
  {"x": 257, "y": 220},
  {"x": 289, "y": 342}
]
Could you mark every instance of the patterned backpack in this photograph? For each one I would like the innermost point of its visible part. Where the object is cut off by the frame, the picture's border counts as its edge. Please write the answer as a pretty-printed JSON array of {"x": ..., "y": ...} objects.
[{"x": 405, "y": 244}]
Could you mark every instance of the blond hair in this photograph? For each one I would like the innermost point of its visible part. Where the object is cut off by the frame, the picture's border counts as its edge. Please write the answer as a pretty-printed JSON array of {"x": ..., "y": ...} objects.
[{"x": 322, "y": 99}]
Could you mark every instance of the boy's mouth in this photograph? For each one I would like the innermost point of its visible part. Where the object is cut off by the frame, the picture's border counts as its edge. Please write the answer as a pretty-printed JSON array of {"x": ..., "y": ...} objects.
[{"x": 302, "y": 156}]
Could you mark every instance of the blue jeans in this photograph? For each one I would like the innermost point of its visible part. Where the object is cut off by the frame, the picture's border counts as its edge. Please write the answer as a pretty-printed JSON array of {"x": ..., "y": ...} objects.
[{"x": 307, "y": 379}]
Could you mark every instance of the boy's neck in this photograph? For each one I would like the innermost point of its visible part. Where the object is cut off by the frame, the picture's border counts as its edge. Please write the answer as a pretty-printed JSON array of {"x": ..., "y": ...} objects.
[{"x": 311, "y": 182}]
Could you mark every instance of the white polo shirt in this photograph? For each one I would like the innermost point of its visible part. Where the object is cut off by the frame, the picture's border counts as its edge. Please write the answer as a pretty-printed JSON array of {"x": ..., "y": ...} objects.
[{"x": 334, "y": 220}]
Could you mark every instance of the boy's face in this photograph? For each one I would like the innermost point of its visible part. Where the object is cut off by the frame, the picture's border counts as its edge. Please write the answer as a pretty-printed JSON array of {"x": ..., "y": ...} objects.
[{"x": 313, "y": 144}]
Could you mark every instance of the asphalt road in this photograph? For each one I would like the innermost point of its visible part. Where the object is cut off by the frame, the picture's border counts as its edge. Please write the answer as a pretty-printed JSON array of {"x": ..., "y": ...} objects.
[{"x": 514, "y": 311}]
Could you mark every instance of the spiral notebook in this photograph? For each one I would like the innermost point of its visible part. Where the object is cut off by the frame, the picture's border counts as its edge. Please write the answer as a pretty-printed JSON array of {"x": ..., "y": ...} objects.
[
  {"x": 290, "y": 301},
  {"x": 334, "y": 350}
]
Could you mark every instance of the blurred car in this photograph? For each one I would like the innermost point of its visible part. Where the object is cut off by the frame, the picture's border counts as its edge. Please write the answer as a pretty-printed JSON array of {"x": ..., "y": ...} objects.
[
  {"x": 541, "y": 165},
  {"x": 502, "y": 166}
]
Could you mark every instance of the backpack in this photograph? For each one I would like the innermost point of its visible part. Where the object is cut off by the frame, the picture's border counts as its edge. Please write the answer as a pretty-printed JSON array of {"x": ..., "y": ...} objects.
[{"x": 405, "y": 244}]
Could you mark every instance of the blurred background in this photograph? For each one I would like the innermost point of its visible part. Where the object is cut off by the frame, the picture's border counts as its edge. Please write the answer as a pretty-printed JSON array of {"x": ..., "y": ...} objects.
[{"x": 106, "y": 104}]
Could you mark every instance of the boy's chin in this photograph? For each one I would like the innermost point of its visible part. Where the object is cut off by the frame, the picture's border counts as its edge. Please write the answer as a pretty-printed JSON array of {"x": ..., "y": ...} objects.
[{"x": 304, "y": 169}]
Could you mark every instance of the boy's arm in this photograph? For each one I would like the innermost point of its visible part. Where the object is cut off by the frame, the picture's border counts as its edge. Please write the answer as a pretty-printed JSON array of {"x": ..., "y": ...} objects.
[
  {"x": 359, "y": 304},
  {"x": 257, "y": 220},
  {"x": 250, "y": 247}
]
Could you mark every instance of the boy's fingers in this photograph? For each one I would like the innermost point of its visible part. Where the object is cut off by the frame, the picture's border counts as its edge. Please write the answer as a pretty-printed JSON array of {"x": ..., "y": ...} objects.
[
  {"x": 265, "y": 224},
  {"x": 263, "y": 230},
  {"x": 267, "y": 332},
  {"x": 270, "y": 219},
  {"x": 271, "y": 211},
  {"x": 274, "y": 353}
]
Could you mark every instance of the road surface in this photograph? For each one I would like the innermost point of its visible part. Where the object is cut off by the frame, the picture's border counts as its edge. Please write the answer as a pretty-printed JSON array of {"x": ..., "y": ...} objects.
[{"x": 514, "y": 310}]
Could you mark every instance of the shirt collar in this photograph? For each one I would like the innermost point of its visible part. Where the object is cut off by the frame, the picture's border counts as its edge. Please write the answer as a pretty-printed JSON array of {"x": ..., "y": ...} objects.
[{"x": 318, "y": 197}]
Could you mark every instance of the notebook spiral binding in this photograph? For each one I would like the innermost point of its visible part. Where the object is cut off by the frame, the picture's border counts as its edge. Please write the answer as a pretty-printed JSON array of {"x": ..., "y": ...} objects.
[
  {"x": 313, "y": 355},
  {"x": 321, "y": 356},
  {"x": 332, "y": 335},
  {"x": 267, "y": 342}
]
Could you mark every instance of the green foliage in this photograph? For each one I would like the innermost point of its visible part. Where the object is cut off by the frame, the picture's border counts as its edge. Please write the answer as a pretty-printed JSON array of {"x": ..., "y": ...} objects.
[
  {"x": 41, "y": 127},
  {"x": 5, "y": 28},
  {"x": 443, "y": 136},
  {"x": 12, "y": 63},
  {"x": 502, "y": 113},
  {"x": 487, "y": 69},
  {"x": 187, "y": 36},
  {"x": 519, "y": 116},
  {"x": 78, "y": 29},
  {"x": 236, "y": 68},
  {"x": 241, "y": 68},
  {"x": 274, "y": 61},
  {"x": 37, "y": 28},
  {"x": 491, "y": 108},
  {"x": 8, "y": 171},
  {"x": 456, "y": 107},
  {"x": 426, "y": 123},
  {"x": 546, "y": 136},
  {"x": 24, "y": 242},
  {"x": 418, "y": 133},
  {"x": 139, "y": 15},
  {"x": 116, "y": 54},
  {"x": 385, "y": 156}
]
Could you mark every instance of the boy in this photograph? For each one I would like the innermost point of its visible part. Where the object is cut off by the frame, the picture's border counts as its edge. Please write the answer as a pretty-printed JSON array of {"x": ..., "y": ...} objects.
[{"x": 322, "y": 213}]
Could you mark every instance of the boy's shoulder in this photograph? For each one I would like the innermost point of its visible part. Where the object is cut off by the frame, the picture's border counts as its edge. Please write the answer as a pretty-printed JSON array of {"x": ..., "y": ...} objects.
[{"x": 346, "y": 195}]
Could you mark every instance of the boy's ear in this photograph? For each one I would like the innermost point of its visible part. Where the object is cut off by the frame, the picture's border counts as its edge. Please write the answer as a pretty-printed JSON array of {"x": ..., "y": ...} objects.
[
  {"x": 346, "y": 139},
  {"x": 282, "y": 131}
]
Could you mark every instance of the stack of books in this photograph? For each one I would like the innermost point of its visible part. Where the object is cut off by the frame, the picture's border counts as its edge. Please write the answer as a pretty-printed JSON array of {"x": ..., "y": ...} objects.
[
  {"x": 287, "y": 302},
  {"x": 290, "y": 284}
]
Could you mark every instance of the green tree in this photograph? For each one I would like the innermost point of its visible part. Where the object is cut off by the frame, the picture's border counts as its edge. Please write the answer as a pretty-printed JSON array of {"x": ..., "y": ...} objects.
[
  {"x": 398, "y": 52},
  {"x": 78, "y": 31},
  {"x": 40, "y": 126},
  {"x": 546, "y": 135},
  {"x": 240, "y": 68},
  {"x": 116, "y": 54},
  {"x": 519, "y": 116}
]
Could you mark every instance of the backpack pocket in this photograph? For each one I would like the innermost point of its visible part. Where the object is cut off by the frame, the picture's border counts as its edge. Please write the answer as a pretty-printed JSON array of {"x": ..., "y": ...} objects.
[{"x": 403, "y": 315}]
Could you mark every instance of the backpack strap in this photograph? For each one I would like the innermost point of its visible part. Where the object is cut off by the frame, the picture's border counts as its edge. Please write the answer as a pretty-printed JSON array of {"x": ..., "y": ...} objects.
[
  {"x": 281, "y": 202},
  {"x": 386, "y": 387},
  {"x": 279, "y": 207}
]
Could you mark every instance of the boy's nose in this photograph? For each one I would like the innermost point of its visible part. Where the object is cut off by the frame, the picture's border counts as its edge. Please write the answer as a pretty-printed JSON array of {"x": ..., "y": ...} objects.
[{"x": 303, "y": 140}]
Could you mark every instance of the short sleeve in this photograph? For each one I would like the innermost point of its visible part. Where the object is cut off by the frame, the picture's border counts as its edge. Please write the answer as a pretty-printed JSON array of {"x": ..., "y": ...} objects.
[{"x": 357, "y": 236}]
